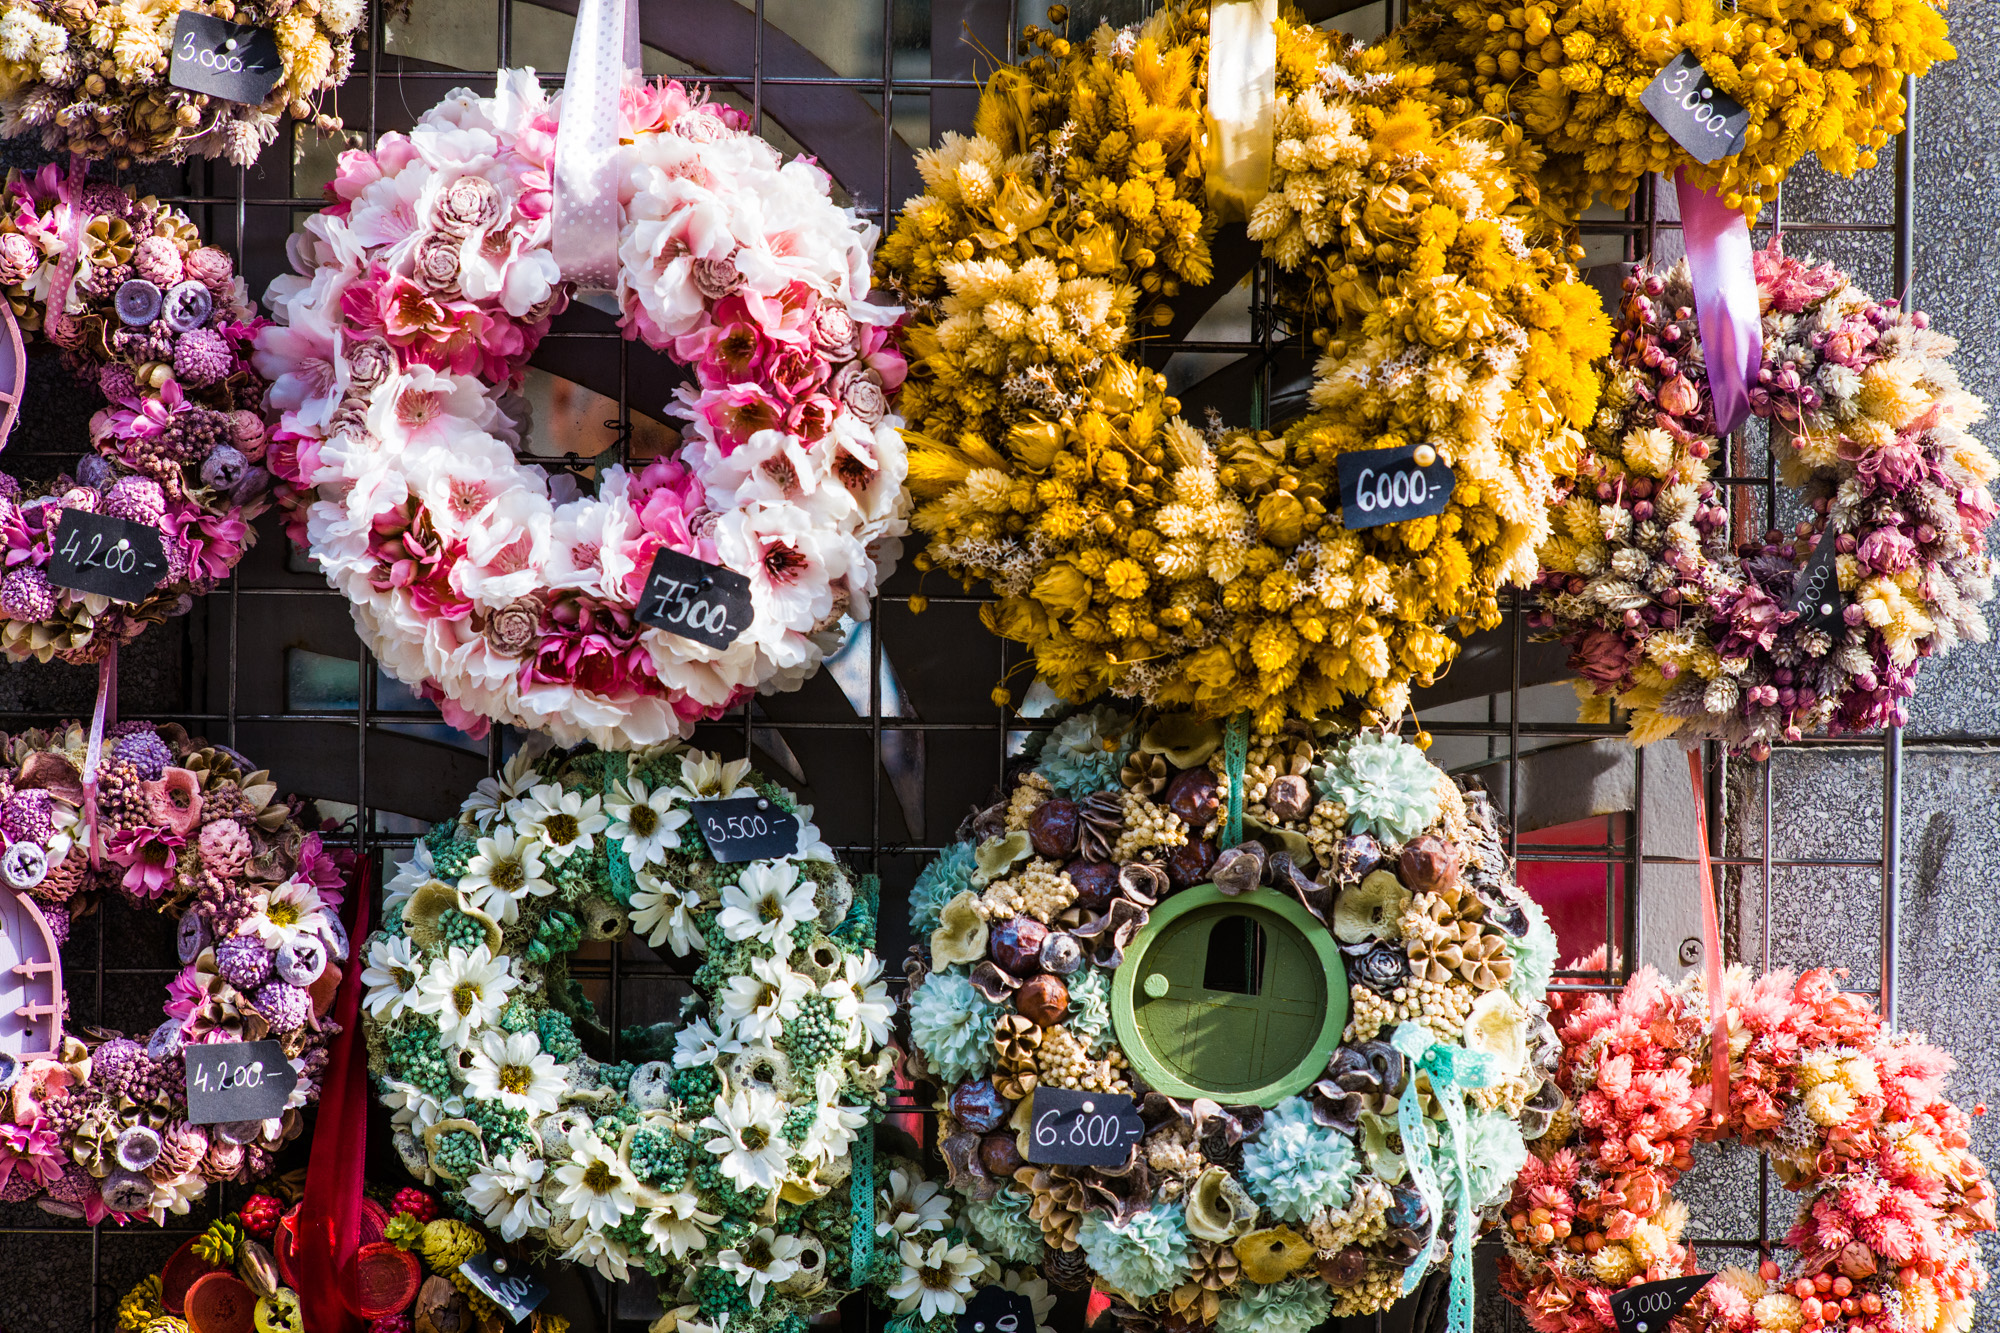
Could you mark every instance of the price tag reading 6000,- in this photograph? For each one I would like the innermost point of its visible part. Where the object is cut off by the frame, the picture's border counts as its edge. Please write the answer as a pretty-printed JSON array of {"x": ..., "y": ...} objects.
[{"x": 745, "y": 828}]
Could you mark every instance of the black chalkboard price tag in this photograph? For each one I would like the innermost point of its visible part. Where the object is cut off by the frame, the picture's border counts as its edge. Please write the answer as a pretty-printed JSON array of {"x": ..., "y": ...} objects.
[
  {"x": 236, "y": 62},
  {"x": 1071, "y": 1128},
  {"x": 237, "y": 1080},
  {"x": 1816, "y": 595},
  {"x": 113, "y": 557},
  {"x": 508, "y": 1285},
  {"x": 746, "y": 828},
  {"x": 1380, "y": 486},
  {"x": 1651, "y": 1306},
  {"x": 1700, "y": 116},
  {"x": 696, "y": 600},
  {"x": 998, "y": 1310}
]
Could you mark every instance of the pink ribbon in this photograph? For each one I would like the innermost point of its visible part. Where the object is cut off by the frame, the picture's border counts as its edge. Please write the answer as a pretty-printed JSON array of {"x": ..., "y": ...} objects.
[
  {"x": 603, "y": 52},
  {"x": 1725, "y": 299},
  {"x": 107, "y": 703},
  {"x": 70, "y": 191},
  {"x": 1711, "y": 950}
]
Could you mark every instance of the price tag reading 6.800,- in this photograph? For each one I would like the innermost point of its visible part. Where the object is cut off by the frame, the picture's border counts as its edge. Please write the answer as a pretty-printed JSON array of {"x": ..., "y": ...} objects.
[
  {"x": 696, "y": 600},
  {"x": 237, "y": 1080},
  {"x": 745, "y": 828},
  {"x": 1071, "y": 1128}
]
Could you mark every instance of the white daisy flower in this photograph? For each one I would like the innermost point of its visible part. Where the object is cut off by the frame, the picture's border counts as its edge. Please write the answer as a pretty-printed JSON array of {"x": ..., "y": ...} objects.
[
  {"x": 285, "y": 913},
  {"x": 756, "y": 1004},
  {"x": 663, "y": 912},
  {"x": 464, "y": 992},
  {"x": 596, "y": 1186},
  {"x": 410, "y": 876},
  {"x": 748, "y": 1144},
  {"x": 861, "y": 1000},
  {"x": 677, "y": 1227},
  {"x": 607, "y": 1256},
  {"x": 646, "y": 823},
  {"x": 562, "y": 820},
  {"x": 503, "y": 869},
  {"x": 1040, "y": 1299},
  {"x": 508, "y": 1194},
  {"x": 811, "y": 846},
  {"x": 910, "y": 1205},
  {"x": 513, "y": 1069},
  {"x": 936, "y": 1278},
  {"x": 834, "y": 1125},
  {"x": 414, "y": 1109},
  {"x": 390, "y": 974},
  {"x": 766, "y": 901},
  {"x": 764, "y": 1260},
  {"x": 490, "y": 799},
  {"x": 699, "y": 1046},
  {"x": 706, "y": 777}
]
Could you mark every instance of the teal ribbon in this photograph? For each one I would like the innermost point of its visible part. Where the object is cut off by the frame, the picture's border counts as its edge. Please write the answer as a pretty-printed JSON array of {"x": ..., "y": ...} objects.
[
  {"x": 860, "y": 928},
  {"x": 1453, "y": 1071},
  {"x": 623, "y": 886},
  {"x": 1235, "y": 754}
]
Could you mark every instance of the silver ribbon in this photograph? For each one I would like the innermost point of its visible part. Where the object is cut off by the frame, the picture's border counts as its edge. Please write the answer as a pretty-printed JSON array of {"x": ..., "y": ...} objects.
[{"x": 602, "y": 55}]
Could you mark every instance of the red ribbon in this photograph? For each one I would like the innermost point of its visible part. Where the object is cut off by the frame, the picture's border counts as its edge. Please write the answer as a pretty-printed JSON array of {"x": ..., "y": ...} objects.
[
  {"x": 103, "y": 715},
  {"x": 1711, "y": 950},
  {"x": 329, "y": 1225},
  {"x": 1725, "y": 299}
]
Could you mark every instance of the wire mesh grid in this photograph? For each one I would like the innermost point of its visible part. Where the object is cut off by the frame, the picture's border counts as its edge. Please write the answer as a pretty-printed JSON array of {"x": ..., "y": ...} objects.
[{"x": 896, "y": 741}]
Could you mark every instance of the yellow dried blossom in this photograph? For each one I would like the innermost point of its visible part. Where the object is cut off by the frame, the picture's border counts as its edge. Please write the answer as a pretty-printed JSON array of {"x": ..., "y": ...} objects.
[
  {"x": 1141, "y": 557},
  {"x": 1820, "y": 77}
]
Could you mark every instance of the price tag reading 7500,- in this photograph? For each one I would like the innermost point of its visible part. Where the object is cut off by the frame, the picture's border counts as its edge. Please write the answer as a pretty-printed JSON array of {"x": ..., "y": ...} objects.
[
  {"x": 696, "y": 600},
  {"x": 745, "y": 828}
]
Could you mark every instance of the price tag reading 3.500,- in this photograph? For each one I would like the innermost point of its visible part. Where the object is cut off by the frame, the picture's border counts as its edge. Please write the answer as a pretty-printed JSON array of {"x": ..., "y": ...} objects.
[
  {"x": 696, "y": 600},
  {"x": 745, "y": 828}
]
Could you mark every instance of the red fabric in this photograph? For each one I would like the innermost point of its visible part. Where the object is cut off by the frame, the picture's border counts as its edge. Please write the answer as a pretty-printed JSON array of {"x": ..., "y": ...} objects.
[
  {"x": 1711, "y": 949},
  {"x": 329, "y": 1225}
]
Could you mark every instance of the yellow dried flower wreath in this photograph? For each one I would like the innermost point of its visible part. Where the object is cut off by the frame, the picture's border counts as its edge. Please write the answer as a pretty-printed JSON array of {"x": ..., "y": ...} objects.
[
  {"x": 1817, "y": 76},
  {"x": 1140, "y": 556}
]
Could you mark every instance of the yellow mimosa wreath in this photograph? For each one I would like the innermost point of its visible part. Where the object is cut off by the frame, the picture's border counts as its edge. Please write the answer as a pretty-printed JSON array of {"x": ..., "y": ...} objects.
[{"x": 1148, "y": 559}]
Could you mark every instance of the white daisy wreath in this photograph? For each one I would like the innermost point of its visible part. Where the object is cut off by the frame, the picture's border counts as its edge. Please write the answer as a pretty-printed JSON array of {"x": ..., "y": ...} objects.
[
  {"x": 504, "y": 592},
  {"x": 719, "y": 1148}
]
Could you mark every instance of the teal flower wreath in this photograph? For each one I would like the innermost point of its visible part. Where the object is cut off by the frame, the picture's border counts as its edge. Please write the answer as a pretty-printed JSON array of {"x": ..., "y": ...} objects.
[{"x": 727, "y": 1150}]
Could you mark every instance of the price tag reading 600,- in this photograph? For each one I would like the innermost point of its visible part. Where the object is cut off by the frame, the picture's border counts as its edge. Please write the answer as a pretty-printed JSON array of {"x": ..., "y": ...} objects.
[{"x": 745, "y": 828}]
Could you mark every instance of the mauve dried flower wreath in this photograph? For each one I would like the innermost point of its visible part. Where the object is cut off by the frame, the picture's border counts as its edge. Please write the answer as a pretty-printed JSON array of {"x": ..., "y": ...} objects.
[
  {"x": 160, "y": 325},
  {"x": 1871, "y": 429},
  {"x": 1851, "y": 1112},
  {"x": 184, "y": 828}
]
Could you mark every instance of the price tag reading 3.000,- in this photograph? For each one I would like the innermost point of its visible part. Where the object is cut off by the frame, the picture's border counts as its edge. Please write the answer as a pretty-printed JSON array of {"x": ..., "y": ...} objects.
[
  {"x": 1700, "y": 116},
  {"x": 237, "y": 62}
]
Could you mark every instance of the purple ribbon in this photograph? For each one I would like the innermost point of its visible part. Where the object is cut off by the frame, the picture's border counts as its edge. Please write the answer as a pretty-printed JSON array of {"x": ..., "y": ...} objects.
[
  {"x": 604, "y": 51},
  {"x": 1725, "y": 299}
]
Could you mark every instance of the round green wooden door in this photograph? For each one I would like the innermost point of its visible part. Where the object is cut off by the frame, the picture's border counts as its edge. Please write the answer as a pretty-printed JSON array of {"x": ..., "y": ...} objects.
[{"x": 1239, "y": 999}]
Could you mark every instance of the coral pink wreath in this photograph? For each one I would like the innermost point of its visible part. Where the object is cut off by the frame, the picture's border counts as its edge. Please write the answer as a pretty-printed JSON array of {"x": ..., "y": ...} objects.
[
  {"x": 507, "y": 593},
  {"x": 1852, "y": 1114}
]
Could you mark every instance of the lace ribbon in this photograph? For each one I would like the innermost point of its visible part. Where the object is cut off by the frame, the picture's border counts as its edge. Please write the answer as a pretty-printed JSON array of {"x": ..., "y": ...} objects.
[
  {"x": 1235, "y": 754},
  {"x": 623, "y": 885},
  {"x": 603, "y": 54},
  {"x": 1452, "y": 1070},
  {"x": 860, "y": 925}
]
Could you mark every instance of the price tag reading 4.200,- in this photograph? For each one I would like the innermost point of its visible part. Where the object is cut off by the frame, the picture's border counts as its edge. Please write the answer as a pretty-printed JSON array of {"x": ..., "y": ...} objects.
[
  {"x": 746, "y": 828},
  {"x": 234, "y": 61},
  {"x": 1071, "y": 1128},
  {"x": 113, "y": 557},
  {"x": 237, "y": 1080},
  {"x": 696, "y": 600}
]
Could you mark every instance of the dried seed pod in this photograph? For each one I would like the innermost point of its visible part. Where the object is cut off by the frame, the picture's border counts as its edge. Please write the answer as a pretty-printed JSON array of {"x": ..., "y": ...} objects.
[
  {"x": 1044, "y": 1000},
  {"x": 1053, "y": 828},
  {"x": 1289, "y": 798},
  {"x": 1016, "y": 1037}
]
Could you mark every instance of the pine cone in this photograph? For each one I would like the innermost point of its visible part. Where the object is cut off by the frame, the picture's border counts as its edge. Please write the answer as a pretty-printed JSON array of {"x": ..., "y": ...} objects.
[
  {"x": 1066, "y": 1269},
  {"x": 1058, "y": 1203},
  {"x": 1100, "y": 819}
]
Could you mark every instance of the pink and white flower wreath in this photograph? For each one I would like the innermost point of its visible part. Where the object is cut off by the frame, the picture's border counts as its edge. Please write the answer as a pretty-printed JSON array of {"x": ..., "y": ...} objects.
[{"x": 500, "y": 590}]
